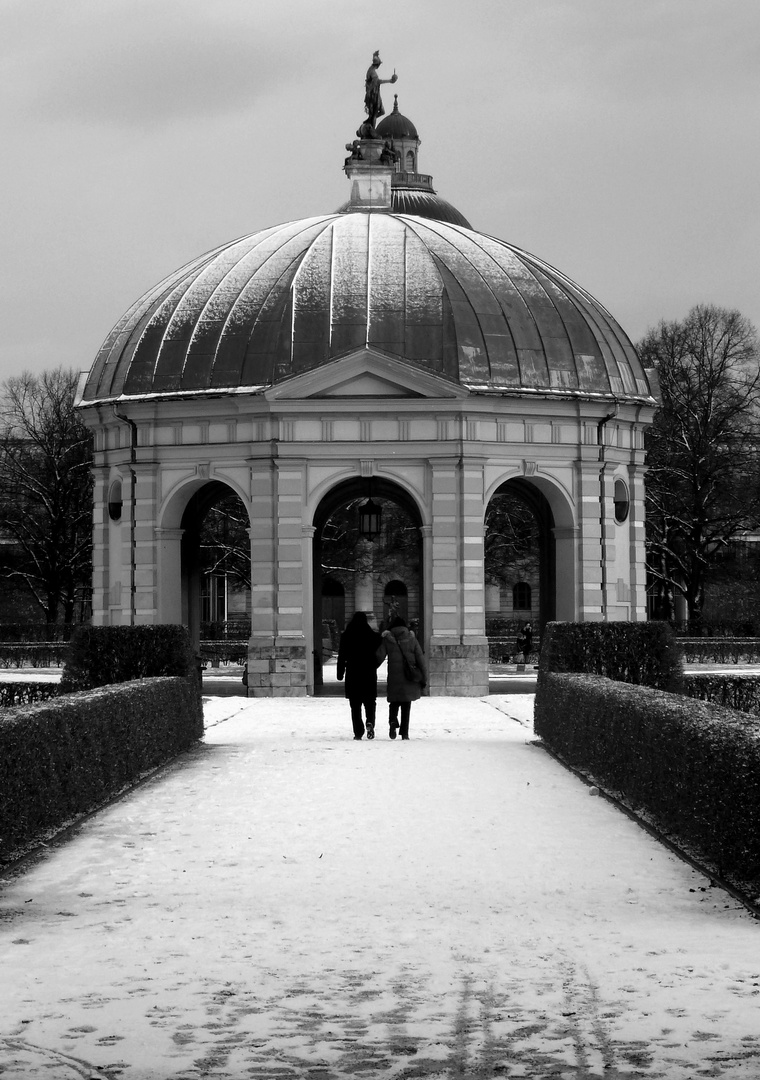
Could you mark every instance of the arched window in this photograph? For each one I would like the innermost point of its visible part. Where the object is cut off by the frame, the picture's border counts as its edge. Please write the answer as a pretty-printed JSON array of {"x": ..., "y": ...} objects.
[
  {"x": 115, "y": 501},
  {"x": 622, "y": 502},
  {"x": 521, "y": 596},
  {"x": 410, "y": 161}
]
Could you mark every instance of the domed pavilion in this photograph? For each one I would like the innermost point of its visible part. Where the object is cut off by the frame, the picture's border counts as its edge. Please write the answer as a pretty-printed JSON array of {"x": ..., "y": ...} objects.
[{"x": 385, "y": 350}]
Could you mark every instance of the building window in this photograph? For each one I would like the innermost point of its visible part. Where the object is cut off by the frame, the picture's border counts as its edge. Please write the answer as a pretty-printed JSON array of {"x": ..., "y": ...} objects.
[
  {"x": 521, "y": 596},
  {"x": 410, "y": 161},
  {"x": 622, "y": 502},
  {"x": 115, "y": 501}
]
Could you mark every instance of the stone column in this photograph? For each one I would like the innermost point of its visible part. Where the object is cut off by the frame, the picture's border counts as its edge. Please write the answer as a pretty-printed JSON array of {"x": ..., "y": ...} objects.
[
  {"x": 169, "y": 548},
  {"x": 566, "y": 557},
  {"x": 589, "y": 537},
  {"x": 145, "y": 554},
  {"x": 277, "y": 649},
  {"x": 637, "y": 550},
  {"x": 101, "y": 583},
  {"x": 365, "y": 583},
  {"x": 458, "y": 655},
  {"x": 261, "y": 646}
]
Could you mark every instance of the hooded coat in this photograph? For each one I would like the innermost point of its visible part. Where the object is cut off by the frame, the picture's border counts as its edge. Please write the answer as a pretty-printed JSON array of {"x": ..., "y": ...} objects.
[
  {"x": 399, "y": 687},
  {"x": 357, "y": 658}
]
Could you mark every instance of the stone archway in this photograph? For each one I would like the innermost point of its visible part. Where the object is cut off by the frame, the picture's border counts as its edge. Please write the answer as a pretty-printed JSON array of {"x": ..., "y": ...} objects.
[
  {"x": 529, "y": 555},
  {"x": 364, "y": 589},
  {"x": 193, "y": 559}
]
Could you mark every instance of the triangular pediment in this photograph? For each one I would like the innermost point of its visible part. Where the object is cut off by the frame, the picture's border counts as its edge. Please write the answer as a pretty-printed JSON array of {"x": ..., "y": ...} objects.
[{"x": 366, "y": 373}]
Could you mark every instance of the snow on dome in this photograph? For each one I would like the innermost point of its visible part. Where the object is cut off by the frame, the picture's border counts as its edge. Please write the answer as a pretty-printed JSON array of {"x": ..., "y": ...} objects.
[{"x": 435, "y": 295}]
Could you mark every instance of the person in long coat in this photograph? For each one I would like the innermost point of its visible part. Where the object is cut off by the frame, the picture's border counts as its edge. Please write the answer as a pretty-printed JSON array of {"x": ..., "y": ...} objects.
[
  {"x": 358, "y": 661},
  {"x": 402, "y": 691}
]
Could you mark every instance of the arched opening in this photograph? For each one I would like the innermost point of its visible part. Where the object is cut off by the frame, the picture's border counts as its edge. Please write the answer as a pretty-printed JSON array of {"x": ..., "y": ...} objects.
[
  {"x": 520, "y": 560},
  {"x": 362, "y": 567},
  {"x": 216, "y": 564}
]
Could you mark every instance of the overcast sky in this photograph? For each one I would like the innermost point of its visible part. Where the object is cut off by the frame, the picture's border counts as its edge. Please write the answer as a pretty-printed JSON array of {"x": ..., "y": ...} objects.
[{"x": 617, "y": 139}]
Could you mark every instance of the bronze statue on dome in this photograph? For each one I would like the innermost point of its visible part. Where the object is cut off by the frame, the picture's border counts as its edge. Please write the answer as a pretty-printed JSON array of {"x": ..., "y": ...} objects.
[{"x": 373, "y": 105}]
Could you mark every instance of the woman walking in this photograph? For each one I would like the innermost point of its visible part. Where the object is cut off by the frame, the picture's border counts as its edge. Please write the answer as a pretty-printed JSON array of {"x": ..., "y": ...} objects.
[
  {"x": 357, "y": 660},
  {"x": 407, "y": 674}
]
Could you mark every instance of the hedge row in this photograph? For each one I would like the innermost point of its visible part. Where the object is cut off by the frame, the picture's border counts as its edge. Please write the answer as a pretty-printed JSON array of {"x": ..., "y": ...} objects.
[
  {"x": 33, "y": 654},
  {"x": 502, "y": 651},
  {"x": 100, "y": 655},
  {"x": 693, "y": 768},
  {"x": 738, "y": 690},
  {"x": 26, "y": 693},
  {"x": 224, "y": 652},
  {"x": 63, "y": 758},
  {"x": 230, "y": 630},
  {"x": 720, "y": 650},
  {"x": 21, "y": 632},
  {"x": 736, "y": 628},
  {"x": 644, "y": 653},
  {"x": 501, "y": 626}
]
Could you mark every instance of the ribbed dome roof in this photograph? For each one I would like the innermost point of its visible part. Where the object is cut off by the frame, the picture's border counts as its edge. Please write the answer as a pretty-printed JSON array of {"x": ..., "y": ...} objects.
[
  {"x": 439, "y": 297},
  {"x": 396, "y": 125},
  {"x": 421, "y": 201}
]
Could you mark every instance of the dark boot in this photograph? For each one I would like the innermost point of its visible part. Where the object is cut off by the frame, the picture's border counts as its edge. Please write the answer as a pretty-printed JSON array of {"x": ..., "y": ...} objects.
[
  {"x": 406, "y": 708},
  {"x": 356, "y": 718},
  {"x": 392, "y": 720}
]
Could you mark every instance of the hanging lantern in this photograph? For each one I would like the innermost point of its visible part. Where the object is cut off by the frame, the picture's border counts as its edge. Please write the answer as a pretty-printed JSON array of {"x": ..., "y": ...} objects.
[{"x": 370, "y": 515}]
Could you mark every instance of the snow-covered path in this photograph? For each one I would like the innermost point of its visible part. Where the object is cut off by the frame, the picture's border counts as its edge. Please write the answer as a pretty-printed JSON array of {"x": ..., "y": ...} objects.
[{"x": 286, "y": 902}]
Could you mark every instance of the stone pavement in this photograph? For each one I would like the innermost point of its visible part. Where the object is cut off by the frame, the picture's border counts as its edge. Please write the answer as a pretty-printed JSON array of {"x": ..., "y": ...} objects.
[{"x": 283, "y": 902}]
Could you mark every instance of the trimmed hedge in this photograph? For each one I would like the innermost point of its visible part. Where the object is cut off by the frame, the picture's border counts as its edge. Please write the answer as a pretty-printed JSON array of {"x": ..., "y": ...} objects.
[
  {"x": 224, "y": 652},
  {"x": 720, "y": 650},
  {"x": 64, "y": 758},
  {"x": 35, "y": 632},
  {"x": 26, "y": 693},
  {"x": 231, "y": 630},
  {"x": 738, "y": 690},
  {"x": 502, "y": 650},
  {"x": 694, "y": 767},
  {"x": 33, "y": 654},
  {"x": 101, "y": 655},
  {"x": 736, "y": 628},
  {"x": 644, "y": 653}
]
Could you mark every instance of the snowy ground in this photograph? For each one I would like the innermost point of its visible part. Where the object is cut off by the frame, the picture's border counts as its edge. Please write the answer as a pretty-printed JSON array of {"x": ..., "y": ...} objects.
[{"x": 286, "y": 902}]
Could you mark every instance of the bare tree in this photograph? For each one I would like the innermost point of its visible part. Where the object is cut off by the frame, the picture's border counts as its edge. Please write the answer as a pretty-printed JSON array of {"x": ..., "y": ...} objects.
[
  {"x": 345, "y": 554},
  {"x": 225, "y": 545},
  {"x": 702, "y": 488},
  {"x": 45, "y": 491},
  {"x": 511, "y": 540}
]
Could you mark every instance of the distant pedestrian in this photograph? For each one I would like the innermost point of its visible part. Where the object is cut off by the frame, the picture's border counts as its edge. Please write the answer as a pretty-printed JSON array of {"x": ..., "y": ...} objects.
[
  {"x": 357, "y": 660},
  {"x": 528, "y": 639},
  {"x": 407, "y": 674}
]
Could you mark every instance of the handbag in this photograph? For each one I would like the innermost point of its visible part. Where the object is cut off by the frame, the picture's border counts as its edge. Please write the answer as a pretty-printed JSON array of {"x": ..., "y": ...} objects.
[{"x": 412, "y": 673}]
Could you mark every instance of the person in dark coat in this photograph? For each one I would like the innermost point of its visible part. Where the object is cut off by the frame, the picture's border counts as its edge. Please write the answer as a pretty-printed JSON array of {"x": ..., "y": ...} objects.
[
  {"x": 357, "y": 660},
  {"x": 397, "y": 641}
]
